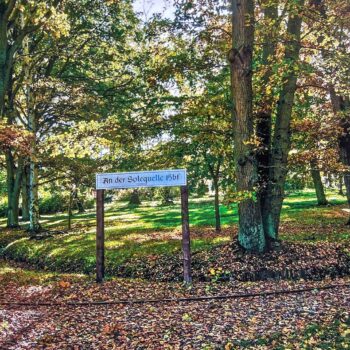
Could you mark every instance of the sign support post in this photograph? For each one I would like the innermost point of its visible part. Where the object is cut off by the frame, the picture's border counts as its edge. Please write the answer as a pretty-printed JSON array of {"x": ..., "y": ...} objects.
[
  {"x": 186, "y": 243},
  {"x": 100, "y": 236}
]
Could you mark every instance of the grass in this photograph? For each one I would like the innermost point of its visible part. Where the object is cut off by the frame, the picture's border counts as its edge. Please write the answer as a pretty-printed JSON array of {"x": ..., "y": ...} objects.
[{"x": 151, "y": 230}]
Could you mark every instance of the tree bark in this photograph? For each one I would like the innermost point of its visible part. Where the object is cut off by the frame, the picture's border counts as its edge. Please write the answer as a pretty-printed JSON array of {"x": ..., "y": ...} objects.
[
  {"x": 281, "y": 141},
  {"x": 14, "y": 178},
  {"x": 319, "y": 189},
  {"x": 13, "y": 172},
  {"x": 250, "y": 233},
  {"x": 25, "y": 193},
  {"x": 34, "y": 215},
  {"x": 3, "y": 55},
  {"x": 264, "y": 114}
]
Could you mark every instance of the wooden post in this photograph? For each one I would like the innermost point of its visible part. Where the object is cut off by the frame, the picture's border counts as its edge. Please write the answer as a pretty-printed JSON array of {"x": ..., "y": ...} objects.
[
  {"x": 100, "y": 236},
  {"x": 186, "y": 243}
]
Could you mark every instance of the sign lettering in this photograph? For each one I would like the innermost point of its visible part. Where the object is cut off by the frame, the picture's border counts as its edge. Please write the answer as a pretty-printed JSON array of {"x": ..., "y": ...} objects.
[{"x": 156, "y": 178}]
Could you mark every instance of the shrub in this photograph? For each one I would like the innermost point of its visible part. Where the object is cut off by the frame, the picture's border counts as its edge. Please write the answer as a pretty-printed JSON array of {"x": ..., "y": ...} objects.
[
  {"x": 3, "y": 209},
  {"x": 52, "y": 204}
]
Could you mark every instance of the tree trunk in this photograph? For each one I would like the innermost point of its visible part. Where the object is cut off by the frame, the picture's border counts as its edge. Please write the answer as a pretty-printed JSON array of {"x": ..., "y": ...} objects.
[
  {"x": 344, "y": 146},
  {"x": 250, "y": 233},
  {"x": 13, "y": 172},
  {"x": 25, "y": 194},
  {"x": 341, "y": 184},
  {"x": 217, "y": 206},
  {"x": 282, "y": 134},
  {"x": 316, "y": 177},
  {"x": 3, "y": 60},
  {"x": 264, "y": 114},
  {"x": 341, "y": 107},
  {"x": 70, "y": 214},
  {"x": 167, "y": 198},
  {"x": 14, "y": 178},
  {"x": 34, "y": 215},
  {"x": 78, "y": 202}
]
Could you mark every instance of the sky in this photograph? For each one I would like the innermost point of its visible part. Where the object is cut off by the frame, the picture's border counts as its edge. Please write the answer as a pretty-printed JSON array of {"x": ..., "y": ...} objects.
[{"x": 149, "y": 7}]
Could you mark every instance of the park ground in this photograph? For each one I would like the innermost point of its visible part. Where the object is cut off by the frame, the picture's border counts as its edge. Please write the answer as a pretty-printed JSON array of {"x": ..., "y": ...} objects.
[{"x": 53, "y": 275}]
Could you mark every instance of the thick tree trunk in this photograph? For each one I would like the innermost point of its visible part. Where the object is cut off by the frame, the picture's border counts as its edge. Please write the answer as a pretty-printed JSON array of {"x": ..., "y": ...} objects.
[
  {"x": 250, "y": 233},
  {"x": 14, "y": 178},
  {"x": 281, "y": 142},
  {"x": 264, "y": 115},
  {"x": 319, "y": 189},
  {"x": 3, "y": 60},
  {"x": 14, "y": 173},
  {"x": 217, "y": 206},
  {"x": 25, "y": 193}
]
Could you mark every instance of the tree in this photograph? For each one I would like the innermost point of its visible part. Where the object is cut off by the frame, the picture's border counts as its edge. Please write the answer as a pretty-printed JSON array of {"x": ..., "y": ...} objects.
[
  {"x": 281, "y": 141},
  {"x": 18, "y": 19},
  {"x": 333, "y": 39},
  {"x": 276, "y": 146},
  {"x": 251, "y": 231}
]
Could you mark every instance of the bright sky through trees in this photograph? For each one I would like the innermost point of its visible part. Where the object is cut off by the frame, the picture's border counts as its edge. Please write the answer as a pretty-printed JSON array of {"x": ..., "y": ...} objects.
[{"x": 149, "y": 7}]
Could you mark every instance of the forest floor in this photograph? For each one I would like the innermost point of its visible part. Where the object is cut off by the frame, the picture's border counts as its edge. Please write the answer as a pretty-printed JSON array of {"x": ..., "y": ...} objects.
[
  {"x": 312, "y": 263},
  {"x": 316, "y": 318}
]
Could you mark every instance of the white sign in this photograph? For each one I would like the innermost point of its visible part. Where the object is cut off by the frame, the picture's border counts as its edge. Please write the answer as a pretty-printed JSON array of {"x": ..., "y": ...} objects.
[{"x": 156, "y": 178}]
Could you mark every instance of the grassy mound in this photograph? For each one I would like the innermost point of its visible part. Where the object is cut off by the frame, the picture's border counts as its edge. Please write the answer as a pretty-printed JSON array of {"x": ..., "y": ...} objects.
[{"x": 145, "y": 242}]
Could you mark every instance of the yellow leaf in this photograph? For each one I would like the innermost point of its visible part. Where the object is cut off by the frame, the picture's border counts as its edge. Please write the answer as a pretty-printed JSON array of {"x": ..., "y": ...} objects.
[{"x": 229, "y": 346}]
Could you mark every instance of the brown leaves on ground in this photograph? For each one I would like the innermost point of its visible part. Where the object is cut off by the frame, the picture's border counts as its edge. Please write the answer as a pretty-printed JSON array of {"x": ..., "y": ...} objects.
[
  {"x": 229, "y": 262},
  {"x": 213, "y": 324}
]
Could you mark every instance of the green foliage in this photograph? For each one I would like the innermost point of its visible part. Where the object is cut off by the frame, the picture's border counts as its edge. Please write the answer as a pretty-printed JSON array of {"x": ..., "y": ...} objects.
[
  {"x": 54, "y": 203},
  {"x": 201, "y": 189},
  {"x": 57, "y": 202},
  {"x": 3, "y": 209}
]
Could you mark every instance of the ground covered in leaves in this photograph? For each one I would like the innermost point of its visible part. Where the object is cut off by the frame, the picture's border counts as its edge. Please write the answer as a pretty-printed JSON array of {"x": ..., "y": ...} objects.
[
  {"x": 314, "y": 319},
  {"x": 229, "y": 262},
  {"x": 314, "y": 253}
]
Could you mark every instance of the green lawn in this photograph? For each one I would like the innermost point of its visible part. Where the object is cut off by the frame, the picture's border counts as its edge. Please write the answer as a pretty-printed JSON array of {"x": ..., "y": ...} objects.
[{"x": 152, "y": 230}]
